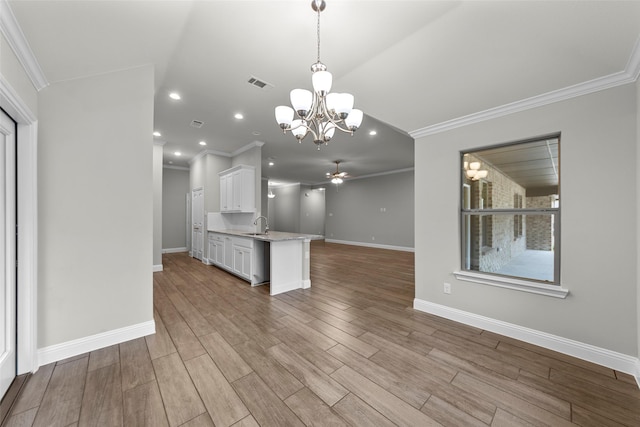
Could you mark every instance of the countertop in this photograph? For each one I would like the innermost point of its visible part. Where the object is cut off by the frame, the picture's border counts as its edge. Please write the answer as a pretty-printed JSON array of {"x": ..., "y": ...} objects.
[{"x": 272, "y": 236}]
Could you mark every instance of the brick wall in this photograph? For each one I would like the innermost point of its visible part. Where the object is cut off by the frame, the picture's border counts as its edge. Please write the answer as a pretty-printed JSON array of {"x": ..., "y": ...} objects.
[
  {"x": 539, "y": 227},
  {"x": 499, "y": 245}
]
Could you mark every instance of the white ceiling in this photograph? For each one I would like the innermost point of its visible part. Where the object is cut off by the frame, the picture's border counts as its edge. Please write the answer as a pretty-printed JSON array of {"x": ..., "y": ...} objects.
[{"x": 409, "y": 64}]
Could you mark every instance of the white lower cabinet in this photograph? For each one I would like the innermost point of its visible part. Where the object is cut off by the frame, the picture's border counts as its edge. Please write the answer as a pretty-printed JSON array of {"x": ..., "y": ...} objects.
[
  {"x": 216, "y": 249},
  {"x": 228, "y": 253},
  {"x": 242, "y": 256},
  {"x": 242, "y": 262}
]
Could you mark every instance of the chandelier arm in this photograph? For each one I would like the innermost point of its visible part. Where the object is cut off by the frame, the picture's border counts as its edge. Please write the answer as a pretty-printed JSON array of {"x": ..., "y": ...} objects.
[
  {"x": 337, "y": 125},
  {"x": 307, "y": 127},
  {"x": 315, "y": 106}
]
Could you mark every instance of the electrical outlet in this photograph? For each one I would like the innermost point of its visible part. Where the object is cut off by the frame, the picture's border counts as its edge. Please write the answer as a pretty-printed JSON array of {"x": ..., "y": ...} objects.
[{"x": 447, "y": 288}]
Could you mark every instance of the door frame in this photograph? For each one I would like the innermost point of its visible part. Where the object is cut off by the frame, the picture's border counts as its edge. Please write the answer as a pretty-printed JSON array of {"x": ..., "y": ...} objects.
[
  {"x": 202, "y": 248},
  {"x": 27, "y": 199}
]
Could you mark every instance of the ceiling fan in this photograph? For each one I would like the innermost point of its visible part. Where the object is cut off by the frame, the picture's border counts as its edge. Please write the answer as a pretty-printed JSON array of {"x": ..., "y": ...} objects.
[{"x": 337, "y": 176}]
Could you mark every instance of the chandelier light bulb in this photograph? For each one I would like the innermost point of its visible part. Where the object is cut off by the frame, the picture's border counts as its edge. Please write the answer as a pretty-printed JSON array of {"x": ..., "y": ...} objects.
[
  {"x": 284, "y": 116},
  {"x": 481, "y": 174},
  {"x": 301, "y": 100},
  {"x": 344, "y": 105},
  {"x": 474, "y": 165},
  {"x": 336, "y": 180},
  {"x": 331, "y": 100},
  {"x": 354, "y": 119},
  {"x": 321, "y": 82},
  {"x": 299, "y": 129},
  {"x": 471, "y": 173}
]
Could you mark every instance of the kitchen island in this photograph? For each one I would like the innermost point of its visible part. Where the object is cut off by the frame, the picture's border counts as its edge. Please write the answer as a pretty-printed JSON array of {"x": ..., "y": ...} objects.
[{"x": 279, "y": 258}]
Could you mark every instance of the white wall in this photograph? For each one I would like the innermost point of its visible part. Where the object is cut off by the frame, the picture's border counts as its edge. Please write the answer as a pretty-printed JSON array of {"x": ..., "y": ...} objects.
[
  {"x": 354, "y": 210},
  {"x": 175, "y": 187},
  {"x": 95, "y": 205},
  {"x": 599, "y": 202},
  {"x": 157, "y": 206}
]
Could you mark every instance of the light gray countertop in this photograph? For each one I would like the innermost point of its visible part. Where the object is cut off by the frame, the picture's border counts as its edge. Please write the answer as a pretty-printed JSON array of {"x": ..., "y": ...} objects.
[{"x": 272, "y": 236}]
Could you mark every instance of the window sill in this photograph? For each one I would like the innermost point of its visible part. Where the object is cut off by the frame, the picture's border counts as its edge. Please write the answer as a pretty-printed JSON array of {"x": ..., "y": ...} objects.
[{"x": 512, "y": 283}]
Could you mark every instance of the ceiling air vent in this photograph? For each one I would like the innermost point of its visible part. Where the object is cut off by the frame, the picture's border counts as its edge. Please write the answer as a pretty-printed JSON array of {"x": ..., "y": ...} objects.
[
  {"x": 254, "y": 81},
  {"x": 196, "y": 124}
]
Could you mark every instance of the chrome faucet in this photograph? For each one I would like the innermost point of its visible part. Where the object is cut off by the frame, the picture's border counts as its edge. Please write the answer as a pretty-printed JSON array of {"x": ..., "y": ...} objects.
[{"x": 266, "y": 223}]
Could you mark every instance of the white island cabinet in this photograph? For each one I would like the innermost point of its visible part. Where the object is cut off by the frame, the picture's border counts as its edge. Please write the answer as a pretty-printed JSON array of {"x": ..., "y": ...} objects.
[
  {"x": 278, "y": 258},
  {"x": 242, "y": 256}
]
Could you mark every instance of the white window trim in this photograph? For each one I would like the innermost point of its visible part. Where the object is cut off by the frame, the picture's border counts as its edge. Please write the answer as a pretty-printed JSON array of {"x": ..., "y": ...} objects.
[{"x": 513, "y": 283}]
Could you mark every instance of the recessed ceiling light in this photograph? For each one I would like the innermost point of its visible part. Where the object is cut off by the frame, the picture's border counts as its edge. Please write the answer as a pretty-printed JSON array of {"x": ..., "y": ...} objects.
[
  {"x": 174, "y": 95},
  {"x": 271, "y": 163},
  {"x": 156, "y": 133},
  {"x": 202, "y": 143},
  {"x": 178, "y": 154},
  {"x": 238, "y": 116},
  {"x": 373, "y": 132}
]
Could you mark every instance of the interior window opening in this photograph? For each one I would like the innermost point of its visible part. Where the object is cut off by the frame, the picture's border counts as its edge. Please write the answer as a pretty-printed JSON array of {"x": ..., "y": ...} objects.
[{"x": 511, "y": 208}]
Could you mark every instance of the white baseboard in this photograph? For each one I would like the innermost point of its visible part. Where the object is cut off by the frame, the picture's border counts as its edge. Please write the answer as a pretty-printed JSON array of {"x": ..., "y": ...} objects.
[
  {"x": 371, "y": 245},
  {"x": 157, "y": 268},
  {"x": 68, "y": 349},
  {"x": 174, "y": 250},
  {"x": 601, "y": 356}
]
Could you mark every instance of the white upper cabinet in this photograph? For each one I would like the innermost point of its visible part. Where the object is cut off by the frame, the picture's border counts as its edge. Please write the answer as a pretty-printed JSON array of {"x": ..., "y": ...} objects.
[{"x": 238, "y": 189}]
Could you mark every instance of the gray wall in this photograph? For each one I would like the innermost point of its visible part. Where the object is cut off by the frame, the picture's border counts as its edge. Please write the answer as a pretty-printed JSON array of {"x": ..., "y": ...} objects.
[
  {"x": 284, "y": 210},
  {"x": 312, "y": 210},
  {"x": 354, "y": 211},
  {"x": 599, "y": 220},
  {"x": 204, "y": 174},
  {"x": 175, "y": 187},
  {"x": 95, "y": 205}
]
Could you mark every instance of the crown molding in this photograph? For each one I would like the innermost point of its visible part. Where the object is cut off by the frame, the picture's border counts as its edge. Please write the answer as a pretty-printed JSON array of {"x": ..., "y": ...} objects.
[
  {"x": 247, "y": 147},
  {"x": 179, "y": 168},
  {"x": 633, "y": 66},
  {"x": 225, "y": 154},
  {"x": 205, "y": 152},
  {"x": 15, "y": 106},
  {"x": 629, "y": 75},
  {"x": 15, "y": 37},
  {"x": 371, "y": 175}
]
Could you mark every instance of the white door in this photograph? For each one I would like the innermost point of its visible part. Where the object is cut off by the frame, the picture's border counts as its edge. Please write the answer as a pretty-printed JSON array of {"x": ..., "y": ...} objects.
[
  {"x": 197, "y": 222},
  {"x": 7, "y": 252}
]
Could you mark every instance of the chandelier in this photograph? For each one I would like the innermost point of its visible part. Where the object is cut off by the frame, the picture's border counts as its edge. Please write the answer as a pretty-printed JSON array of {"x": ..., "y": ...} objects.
[
  {"x": 473, "y": 171},
  {"x": 319, "y": 113}
]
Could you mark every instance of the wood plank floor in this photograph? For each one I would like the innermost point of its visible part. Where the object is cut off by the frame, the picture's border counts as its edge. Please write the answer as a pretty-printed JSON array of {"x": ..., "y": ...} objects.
[{"x": 348, "y": 351}]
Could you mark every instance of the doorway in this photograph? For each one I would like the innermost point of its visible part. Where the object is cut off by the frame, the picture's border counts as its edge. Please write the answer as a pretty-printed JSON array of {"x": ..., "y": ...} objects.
[
  {"x": 197, "y": 223},
  {"x": 8, "y": 287}
]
